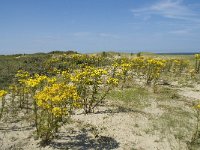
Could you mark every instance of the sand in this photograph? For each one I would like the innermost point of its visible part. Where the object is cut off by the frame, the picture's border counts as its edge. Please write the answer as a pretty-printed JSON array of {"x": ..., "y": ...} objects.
[{"x": 108, "y": 128}]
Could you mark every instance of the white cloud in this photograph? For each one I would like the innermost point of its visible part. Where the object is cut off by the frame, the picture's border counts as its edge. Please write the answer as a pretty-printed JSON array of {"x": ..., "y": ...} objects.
[{"x": 173, "y": 9}]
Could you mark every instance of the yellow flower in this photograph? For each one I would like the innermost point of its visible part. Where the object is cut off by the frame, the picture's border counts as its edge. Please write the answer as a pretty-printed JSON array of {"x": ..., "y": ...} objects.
[
  {"x": 198, "y": 106},
  {"x": 36, "y": 81},
  {"x": 3, "y": 93},
  {"x": 56, "y": 111},
  {"x": 51, "y": 80},
  {"x": 112, "y": 81},
  {"x": 58, "y": 94},
  {"x": 197, "y": 56}
]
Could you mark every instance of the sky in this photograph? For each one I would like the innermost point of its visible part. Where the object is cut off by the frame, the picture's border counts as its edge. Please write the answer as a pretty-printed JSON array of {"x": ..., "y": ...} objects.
[{"x": 86, "y": 26}]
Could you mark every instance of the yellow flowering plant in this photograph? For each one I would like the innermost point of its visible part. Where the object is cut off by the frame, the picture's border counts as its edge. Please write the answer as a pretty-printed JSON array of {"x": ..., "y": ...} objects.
[
  {"x": 154, "y": 69},
  {"x": 122, "y": 71},
  {"x": 179, "y": 65},
  {"x": 26, "y": 86},
  {"x": 21, "y": 90},
  {"x": 3, "y": 93},
  {"x": 138, "y": 65},
  {"x": 54, "y": 103},
  {"x": 93, "y": 85}
]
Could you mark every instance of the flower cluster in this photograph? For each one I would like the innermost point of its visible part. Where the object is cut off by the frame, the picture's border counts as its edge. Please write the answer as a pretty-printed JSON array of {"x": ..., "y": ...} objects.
[
  {"x": 89, "y": 75},
  {"x": 58, "y": 95},
  {"x": 112, "y": 81},
  {"x": 57, "y": 111},
  {"x": 3, "y": 93},
  {"x": 154, "y": 68},
  {"x": 35, "y": 81},
  {"x": 198, "y": 106},
  {"x": 197, "y": 56},
  {"x": 22, "y": 76},
  {"x": 138, "y": 63}
]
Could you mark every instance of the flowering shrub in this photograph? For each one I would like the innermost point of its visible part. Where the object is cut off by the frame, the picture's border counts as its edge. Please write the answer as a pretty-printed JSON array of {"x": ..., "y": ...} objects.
[
  {"x": 122, "y": 72},
  {"x": 154, "y": 69},
  {"x": 54, "y": 102},
  {"x": 179, "y": 65},
  {"x": 93, "y": 85},
  {"x": 138, "y": 65},
  {"x": 20, "y": 78},
  {"x": 3, "y": 93}
]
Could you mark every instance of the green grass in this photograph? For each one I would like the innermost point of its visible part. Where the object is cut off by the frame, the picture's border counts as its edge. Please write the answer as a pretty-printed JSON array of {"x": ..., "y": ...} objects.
[
  {"x": 10, "y": 64},
  {"x": 174, "y": 120},
  {"x": 136, "y": 97}
]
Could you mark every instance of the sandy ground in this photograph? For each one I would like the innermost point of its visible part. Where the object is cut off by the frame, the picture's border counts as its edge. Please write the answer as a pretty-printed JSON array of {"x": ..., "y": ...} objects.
[
  {"x": 191, "y": 92},
  {"x": 111, "y": 127}
]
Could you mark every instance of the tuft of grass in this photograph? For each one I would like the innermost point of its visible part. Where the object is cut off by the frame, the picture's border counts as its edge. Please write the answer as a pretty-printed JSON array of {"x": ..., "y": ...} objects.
[
  {"x": 167, "y": 93},
  {"x": 136, "y": 96}
]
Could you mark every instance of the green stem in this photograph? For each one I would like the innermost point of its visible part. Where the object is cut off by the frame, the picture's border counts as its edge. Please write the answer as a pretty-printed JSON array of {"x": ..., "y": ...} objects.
[
  {"x": 2, "y": 107},
  {"x": 36, "y": 114}
]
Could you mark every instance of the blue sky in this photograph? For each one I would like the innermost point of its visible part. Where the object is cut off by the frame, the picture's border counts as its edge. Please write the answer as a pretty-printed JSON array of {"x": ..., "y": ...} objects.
[{"x": 29, "y": 26}]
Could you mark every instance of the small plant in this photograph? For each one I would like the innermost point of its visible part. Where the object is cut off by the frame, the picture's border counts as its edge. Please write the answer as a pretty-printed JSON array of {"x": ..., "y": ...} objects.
[
  {"x": 139, "y": 54},
  {"x": 154, "y": 69},
  {"x": 93, "y": 84},
  {"x": 122, "y": 72},
  {"x": 54, "y": 103},
  {"x": 196, "y": 134},
  {"x": 197, "y": 63},
  {"x": 3, "y": 93},
  {"x": 104, "y": 54}
]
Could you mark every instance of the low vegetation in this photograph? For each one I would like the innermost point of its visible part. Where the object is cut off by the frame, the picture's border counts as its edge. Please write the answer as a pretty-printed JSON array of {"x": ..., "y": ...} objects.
[{"x": 49, "y": 89}]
